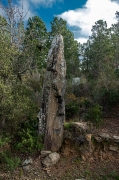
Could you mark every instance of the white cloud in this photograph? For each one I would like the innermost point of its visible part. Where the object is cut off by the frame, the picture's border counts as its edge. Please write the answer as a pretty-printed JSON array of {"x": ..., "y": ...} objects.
[
  {"x": 81, "y": 40},
  {"x": 46, "y": 3},
  {"x": 29, "y": 6},
  {"x": 94, "y": 10},
  {"x": 27, "y": 10}
]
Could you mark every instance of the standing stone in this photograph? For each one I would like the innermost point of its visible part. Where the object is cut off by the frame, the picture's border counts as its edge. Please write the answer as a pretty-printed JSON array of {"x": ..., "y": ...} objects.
[{"x": 52, "y": 112}]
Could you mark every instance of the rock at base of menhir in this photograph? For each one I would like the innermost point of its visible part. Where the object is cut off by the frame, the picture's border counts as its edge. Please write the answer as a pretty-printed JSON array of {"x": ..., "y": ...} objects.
[
  {"x": 45, "y": 153},
  {"x": 51, "y": 159}
]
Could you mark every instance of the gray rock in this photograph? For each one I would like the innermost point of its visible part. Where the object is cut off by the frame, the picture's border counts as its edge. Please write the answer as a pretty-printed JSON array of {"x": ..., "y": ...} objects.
[
  {"x": 45, "y": 153},
  {"x": 113, "y": 148},
  {"x": 27, "y": 162},
  {"x": 116, "y": 139},
  {"x": 82, "y": 126},
  {"x": 98, "y": 139},
  {"x": 105, "y": 136},
  {"x": 26, "y": 168},
  {"x": 51, "y": 159}
]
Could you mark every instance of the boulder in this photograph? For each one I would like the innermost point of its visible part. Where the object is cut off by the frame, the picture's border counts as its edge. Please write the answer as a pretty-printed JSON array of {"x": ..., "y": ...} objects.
[
  {"x": 113, "y": 148},
  {"x": 80, "y": 126},
  {"x": 116, "y": 139},
  {"x": 51, "y": 159},
  {"x": 45, "y": 153}
]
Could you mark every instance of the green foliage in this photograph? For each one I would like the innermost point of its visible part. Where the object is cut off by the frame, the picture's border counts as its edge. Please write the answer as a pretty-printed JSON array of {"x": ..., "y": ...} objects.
[
  {"x": 109, "y": 98},
  {"x": 28, "y": 140},
  {"x": 94, "y": 114},
  {"x": 113, "y": 175},
  {"x": 36, "y": 35},
  {"x": 4, "y": 141},
  {"x": 85, "y": 102},
  {"x": 17, "y": 104},
  {"x": 71, "y": 108},
  {"x": 68, "y": 126},
  {"x": 11, "y": 162}
]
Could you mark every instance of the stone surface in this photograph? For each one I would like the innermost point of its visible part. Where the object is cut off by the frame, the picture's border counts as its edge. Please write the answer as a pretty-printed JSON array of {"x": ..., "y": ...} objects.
[
  {"x": 105, "y": 136},
  {"x": 27, "y": 168},
  {"x": 27, "y": 162},
  {"x": 113, "y": 148},
  {"x": 51, "y": 159},
  {"x": 116, "y": 139},
  {"x": 98, "y": 139},
  {"x": 82, "y": 126},
  {"x": 45, "y": 153},
  {"x": 52, "y": 113}
]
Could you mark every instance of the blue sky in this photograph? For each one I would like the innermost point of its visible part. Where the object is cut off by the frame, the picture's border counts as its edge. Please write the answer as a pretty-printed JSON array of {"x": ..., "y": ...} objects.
[{"x": 79, "y": 14}]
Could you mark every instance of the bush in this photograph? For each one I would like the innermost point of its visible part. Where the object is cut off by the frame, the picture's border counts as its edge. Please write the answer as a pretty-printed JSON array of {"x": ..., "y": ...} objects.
[
  {"x": 4, "y": 141},
  {"x": 94, "y": 114},
  {"x": 11, "y": 162},
  {"x": 85, "y": 102},
  {"x": 71, "y": 109},
  {"x": 68, "y": 126},
  {"x": 108, "y": 98},
  {"x": 27, "y": 139}
]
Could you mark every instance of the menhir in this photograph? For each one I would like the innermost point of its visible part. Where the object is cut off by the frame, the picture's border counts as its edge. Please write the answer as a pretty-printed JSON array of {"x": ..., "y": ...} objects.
[{"x": 52, "y": 113}]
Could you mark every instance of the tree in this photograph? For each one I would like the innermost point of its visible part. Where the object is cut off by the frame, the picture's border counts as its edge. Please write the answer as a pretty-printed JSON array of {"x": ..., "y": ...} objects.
[
  {"x": 36, "y": 35},
  {"x": 17, "y": 98},
  {"x": 98, "y": 51}
]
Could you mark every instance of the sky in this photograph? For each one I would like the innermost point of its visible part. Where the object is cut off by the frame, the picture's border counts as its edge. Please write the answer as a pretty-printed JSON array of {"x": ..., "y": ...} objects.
[{"x": 80, "y": 15}]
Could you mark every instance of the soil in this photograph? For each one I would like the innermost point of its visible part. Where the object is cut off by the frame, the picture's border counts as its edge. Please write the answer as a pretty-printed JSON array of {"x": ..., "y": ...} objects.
[{"x": 72, "y": 165}]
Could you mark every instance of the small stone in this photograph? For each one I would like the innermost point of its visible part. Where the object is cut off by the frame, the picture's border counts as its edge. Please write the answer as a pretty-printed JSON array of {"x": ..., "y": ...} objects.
[
  {"x": 105, "y": 136},
  {"x": 116, "y": 139},
  {"x": 26, "y": 168},
  {"x": 88, "y": 137},
  {"x": 98, "y": 139},
  {"x": 27, "y": 161},
  {"x": 83, "y": 158},
  {"x": 113, "y": 148},
  {"x": 45, "y": 153},
  {"x": 51, "y": 159},
  {"x": 82, "y": 126}
]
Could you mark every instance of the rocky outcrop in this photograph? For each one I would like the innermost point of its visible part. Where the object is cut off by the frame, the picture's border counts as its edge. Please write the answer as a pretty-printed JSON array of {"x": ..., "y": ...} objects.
[
  {"x": 52, "y": 113},
  {"x": 91, "y": 143}
]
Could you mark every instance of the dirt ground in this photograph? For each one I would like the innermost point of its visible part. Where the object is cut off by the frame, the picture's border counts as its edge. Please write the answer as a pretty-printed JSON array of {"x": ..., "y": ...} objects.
[{"x": 70, "y": 167}]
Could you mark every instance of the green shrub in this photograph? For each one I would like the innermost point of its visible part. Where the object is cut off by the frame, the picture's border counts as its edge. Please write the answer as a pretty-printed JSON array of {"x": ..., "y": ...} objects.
[
  {"x": 4, "y": 141},
  {"x": 94, "y": 114},
  {"x": 68, "y": 126},
  {"x": 11, "y": 162},
  {"x": 27, "y": 139},
  {"x": 71, "y": 109},
  {"x": 107, "y": 97}
]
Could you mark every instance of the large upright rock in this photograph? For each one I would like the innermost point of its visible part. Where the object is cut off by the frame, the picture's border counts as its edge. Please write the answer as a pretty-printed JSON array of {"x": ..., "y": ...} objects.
[{"x": 52, "y": 113}]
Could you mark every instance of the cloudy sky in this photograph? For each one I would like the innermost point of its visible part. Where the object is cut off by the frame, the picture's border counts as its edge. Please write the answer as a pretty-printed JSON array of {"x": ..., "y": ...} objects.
[{"x": 79, "y": 14}]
